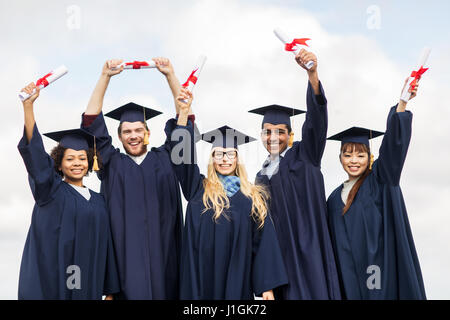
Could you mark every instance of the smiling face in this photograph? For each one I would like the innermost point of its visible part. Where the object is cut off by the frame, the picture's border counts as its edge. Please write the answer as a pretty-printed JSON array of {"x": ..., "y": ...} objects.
[
  {"x": 132, "y": 137},
  {"x": 354, "y": 159},
  {"x": 74, "y": 166},
  {"x": 225, "y": 160},
  {"x": 275, "y": 138}
]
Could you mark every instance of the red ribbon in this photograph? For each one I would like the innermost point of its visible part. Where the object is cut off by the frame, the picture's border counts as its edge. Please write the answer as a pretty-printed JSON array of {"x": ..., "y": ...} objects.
[
  {"x": 417, "y": 75},
  {"x": 191, "y": 78},
  {"x": 137, "y": 64},
  {"x": 43, "y": 81},
  {"x": 291, "y": 46}
]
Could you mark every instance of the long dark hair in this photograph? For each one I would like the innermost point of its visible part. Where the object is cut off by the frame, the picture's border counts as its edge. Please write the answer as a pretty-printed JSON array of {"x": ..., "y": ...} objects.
[
  {"x": 57, "y": 155},
  {"x": 358, "y": 147}
]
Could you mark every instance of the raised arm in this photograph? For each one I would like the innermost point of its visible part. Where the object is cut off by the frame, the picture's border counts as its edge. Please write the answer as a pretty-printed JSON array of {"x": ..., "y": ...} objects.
[
  {"x": 95, "y": 104},
  {"x": 92, "y": 119},
  {"x": 393, "y": 150},
  {"x": 28, "y": 110},
  {"x": 42, "y": 177},
  {"x": 182, "y": 147},
  {"x": 165, "y": 67},
  {"x": 314, "y": 128}
]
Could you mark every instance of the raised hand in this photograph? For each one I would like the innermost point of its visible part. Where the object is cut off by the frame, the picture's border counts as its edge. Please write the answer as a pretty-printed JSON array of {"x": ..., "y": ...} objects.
[
  {"x": 108, "y": 68},
  {"x": 163, "y": 65},
  {"x": 304, "y": 57},
  {"x": 401, "y": 107},
  {"x": 183, "y": 104},
  {"x": 29, "y": 90}
]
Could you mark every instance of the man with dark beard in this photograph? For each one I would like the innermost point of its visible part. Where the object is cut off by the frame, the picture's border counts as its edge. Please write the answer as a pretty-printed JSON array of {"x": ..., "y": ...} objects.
[{"x": 142, "y": 194}]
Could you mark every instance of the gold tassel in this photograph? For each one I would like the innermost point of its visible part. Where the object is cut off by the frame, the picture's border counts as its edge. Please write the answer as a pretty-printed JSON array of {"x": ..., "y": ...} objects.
[
  {"x": 146, "y": 142},
  {"x": 291, "y": 139},
  {"x": 371, "y": 161},
  {"x": 95, "y": 165}
]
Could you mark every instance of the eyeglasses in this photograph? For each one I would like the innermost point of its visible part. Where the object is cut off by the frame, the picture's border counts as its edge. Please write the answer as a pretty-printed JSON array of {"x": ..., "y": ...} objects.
[{"x": 218, "y": 155}]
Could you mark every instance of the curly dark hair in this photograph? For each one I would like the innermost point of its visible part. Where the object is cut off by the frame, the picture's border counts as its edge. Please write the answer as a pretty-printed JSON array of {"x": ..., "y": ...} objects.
[{"x": 57, "y": 155}]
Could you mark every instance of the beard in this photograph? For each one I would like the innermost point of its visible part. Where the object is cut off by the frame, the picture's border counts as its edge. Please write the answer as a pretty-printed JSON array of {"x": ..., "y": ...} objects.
[{"x": 142, "y": 150}]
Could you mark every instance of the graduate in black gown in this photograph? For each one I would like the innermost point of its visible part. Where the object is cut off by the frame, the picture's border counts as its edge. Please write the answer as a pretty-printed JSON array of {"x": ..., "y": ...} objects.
[
  {"x": 68, "y": 253},
  {"x": 298, "y": 203},
  {"x": 230, "y": 250},
  {"x": 367, "y": 215},
  {"x": 142, "y": 193}
]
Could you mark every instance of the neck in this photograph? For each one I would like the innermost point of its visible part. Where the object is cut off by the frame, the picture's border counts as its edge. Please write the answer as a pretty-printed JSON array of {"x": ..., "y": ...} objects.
[
  {"x": 77, "y": 183},
  {"x": 352, "y": 178}
]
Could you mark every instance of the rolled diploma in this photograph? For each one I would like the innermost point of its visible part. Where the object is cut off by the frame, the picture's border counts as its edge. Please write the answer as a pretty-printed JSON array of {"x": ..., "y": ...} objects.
[
  {"x": 283, "y": 38},
  {"x": 199, "y": 66},
  {"x": 423, "y": 59},
  {"x": 151, "y": 64},
  {"x": 55, "y": 75}
]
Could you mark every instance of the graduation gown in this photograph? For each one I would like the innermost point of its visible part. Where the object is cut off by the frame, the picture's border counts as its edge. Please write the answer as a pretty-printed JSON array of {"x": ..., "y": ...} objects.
[
  {"x": 375, "y": 230},
  {"x": 66, "y": 230},
  {"x": 228, "y": 259},
  {"x": 298, "y": 208},
  {"x": 145, "y": 209}
]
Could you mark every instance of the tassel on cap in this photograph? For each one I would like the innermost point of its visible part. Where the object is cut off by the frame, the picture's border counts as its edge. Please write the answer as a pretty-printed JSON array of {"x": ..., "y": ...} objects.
[
  {"x": 95, "y": 165},
  {"x": 146, "y": 142},
  {"x": 291, "y": 139}
]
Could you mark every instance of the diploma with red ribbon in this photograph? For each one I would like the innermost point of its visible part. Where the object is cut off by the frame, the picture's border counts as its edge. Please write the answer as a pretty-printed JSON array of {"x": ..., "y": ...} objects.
[
  {"x": 45, "y": 81},
  {"x": 294, "y": 46},
  {"x": 415, "y": 75},
  {"x": 137, "y": 65},
  {"x": 193, "y": 77}
]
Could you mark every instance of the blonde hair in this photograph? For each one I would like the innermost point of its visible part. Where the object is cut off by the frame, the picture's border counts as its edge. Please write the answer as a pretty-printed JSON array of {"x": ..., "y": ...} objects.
[{"x": 216, "y": 199}]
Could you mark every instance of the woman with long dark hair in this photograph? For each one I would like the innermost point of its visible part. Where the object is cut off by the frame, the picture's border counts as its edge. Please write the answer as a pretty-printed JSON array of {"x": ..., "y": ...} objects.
[{"x": 369, "y": 226}]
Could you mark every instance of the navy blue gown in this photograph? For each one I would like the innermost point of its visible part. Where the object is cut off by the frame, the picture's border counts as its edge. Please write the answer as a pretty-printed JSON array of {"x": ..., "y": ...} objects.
[
  {"x": 145, "y": 208},
  {"x": 66, "y": 230},
  {"x": 375, "y": 230},
  {"x": 298, "y": 208},
  {"x": 230, "y": 259}
]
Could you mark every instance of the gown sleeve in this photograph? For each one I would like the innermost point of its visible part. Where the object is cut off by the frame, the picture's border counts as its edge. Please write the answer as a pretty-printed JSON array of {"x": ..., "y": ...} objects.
[
  {"x": 103, "y": 140},
  {"x": 314, "y": 130},
  {"x": 42, "y": 176},
  {"x": 268, "y": 270},
  {"x": 111, "y": 284},
  {"x": 181, "y": 143},
  {"x": 394, "y": 147}
]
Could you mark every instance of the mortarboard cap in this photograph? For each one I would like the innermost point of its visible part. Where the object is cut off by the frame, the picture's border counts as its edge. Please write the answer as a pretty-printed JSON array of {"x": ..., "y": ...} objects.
[
  {"x": 132, "y": 112},
  {"x": 226, "y": 137},
  {"x": 356, "y": 135},
  {"x": 276, "y": 114},
  {"x": 76, "y": 139}
]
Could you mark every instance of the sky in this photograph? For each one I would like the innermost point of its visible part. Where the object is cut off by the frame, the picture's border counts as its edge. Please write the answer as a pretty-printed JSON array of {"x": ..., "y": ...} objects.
[{"x": 365, "y": 51}]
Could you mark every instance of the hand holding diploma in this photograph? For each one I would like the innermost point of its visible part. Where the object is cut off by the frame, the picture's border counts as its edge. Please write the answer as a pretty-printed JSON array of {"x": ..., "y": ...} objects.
[
  {"x": 294, "y": 46},
  {"x": 44, "y": 81},
  {"x": 193, "y": 77},
  {"x": 112, "y": 67},
  {"x": 415, "y": 76}
]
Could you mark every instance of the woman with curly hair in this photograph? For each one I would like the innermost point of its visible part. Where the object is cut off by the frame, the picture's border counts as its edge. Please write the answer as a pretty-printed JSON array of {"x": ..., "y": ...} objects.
[
  {"x": 230, "y": 249},
  {"x": 68, "y": 253}
]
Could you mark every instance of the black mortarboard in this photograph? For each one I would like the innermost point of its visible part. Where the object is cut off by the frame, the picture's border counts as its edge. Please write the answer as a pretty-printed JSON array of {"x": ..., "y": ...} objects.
[
  {"x": 226, "y": 137},
  {"x": 357, "y": 135},
  {"x": 276, "y": 114},
  {"x": 132, "y": 112},
  {"x": 76, "y": 139}
]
